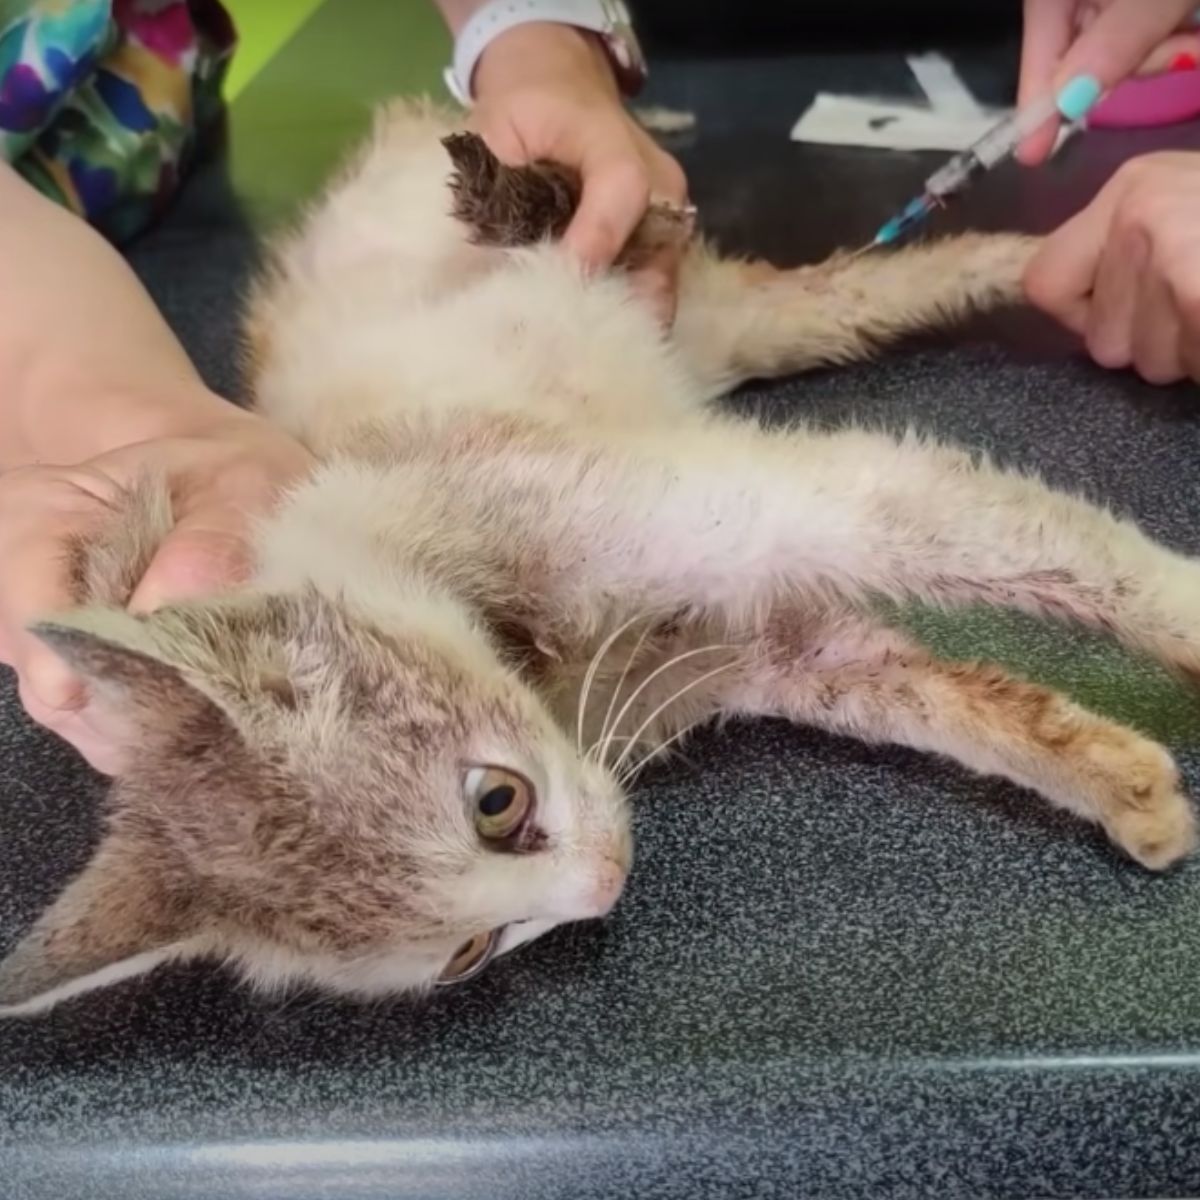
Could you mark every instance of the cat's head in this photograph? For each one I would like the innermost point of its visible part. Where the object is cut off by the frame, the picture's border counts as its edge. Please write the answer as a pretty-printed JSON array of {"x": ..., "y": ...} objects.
[{"x": 319, "y": 799}]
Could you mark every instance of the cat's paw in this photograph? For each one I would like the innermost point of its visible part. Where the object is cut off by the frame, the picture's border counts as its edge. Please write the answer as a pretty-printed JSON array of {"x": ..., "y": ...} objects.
[
  {"x": 1158, "y": 837},
  {"x": 1144, "y": 811}
]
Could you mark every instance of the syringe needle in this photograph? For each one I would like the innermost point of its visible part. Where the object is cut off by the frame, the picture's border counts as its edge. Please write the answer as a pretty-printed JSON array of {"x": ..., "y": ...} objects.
[{"x": 1000, "y": 142}]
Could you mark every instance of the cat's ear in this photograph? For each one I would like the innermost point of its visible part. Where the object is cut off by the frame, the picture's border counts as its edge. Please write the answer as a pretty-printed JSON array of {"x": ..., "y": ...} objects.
[
  {"x": 123, "y": 664},
  {"x": 115, "y": 921}
]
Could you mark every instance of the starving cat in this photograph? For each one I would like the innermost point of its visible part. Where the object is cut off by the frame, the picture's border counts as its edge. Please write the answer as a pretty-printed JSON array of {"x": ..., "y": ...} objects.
[{"x": 534, "y": 556}]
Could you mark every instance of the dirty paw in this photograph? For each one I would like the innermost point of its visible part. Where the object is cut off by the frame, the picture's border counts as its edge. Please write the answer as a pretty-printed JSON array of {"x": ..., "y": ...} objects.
[{"x": 1147, "y": 815}]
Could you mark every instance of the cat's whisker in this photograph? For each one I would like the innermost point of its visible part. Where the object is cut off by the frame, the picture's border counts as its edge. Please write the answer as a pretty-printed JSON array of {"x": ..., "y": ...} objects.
[
  {"x": 671, "y": 662},
  {"x": 589, "y": 678},
  {"x": 636, "y": 768},
  {"x": 610, "y": 735},
  {"x": 602, "y": 739},
  {"x": 596, "y": 746},
  {"x": 678, "y": 695}
]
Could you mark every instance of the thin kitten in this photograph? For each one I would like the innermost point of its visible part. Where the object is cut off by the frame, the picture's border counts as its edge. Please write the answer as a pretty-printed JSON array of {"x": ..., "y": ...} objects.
[{"x": 533, "y": 557}]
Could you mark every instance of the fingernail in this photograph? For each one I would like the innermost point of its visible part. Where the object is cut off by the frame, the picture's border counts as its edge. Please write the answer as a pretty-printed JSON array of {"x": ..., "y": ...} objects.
[
  {"x": 1183, "y": 62},
  {"x": 1078, "y": 96}
]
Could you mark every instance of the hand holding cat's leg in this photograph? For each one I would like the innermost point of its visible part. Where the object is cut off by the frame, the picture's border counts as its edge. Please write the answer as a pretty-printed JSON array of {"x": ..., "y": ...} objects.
[
  {"x": 873, "y": 683},
  {"x": 742, "y": 320},
  {"x": 737, "y": 320}
]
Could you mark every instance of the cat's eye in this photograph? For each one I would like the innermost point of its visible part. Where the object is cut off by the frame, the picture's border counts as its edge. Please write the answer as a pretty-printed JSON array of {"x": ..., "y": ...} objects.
[
  {"x": 501, "y": 802},
  {"x": 470, "y": 958}
]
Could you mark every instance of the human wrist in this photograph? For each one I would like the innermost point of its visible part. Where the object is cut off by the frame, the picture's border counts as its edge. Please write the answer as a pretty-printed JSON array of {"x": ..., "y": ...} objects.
[
  {"x": 72, "y": 424},
  {"x": 539, "y": 49},
  {"x": 456, "y": 13}
]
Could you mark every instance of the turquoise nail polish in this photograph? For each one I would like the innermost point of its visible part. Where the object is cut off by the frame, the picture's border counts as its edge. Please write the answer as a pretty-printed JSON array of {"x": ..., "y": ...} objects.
[{"x": 1077, "y": 96}]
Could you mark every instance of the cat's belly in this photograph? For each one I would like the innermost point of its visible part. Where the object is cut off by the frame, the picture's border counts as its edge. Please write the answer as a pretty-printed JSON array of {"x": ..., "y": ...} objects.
[{"x": 531, "y": 337}]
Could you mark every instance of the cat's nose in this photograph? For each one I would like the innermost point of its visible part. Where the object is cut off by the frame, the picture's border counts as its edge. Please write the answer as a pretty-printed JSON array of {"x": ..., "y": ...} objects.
[{"x": 608, "y": 883}]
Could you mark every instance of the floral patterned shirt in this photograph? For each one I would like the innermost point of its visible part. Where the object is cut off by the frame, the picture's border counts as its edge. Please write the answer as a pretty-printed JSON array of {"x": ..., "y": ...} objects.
[{"x": 100, "y": 100}]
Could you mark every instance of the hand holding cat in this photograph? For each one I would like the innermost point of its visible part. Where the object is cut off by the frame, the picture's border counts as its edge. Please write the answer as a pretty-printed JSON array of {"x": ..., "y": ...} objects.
[
  {"x": 547, "y": 91},
  {"x": 1107, "y": 39},
  {"x": 221, "y": 477},
  {"x": 1125, "y": 272}
]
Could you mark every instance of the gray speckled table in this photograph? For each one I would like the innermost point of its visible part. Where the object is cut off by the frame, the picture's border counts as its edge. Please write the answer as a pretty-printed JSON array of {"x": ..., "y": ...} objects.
[{"x": 838, "y": 971}]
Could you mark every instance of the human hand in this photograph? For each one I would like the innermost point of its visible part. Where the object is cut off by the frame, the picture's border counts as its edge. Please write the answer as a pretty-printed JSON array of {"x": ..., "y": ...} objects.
[
  {"x": 1108, "y": 39},
  {"x": 547, "y": 91},
  {"x": 1125, "y": 272},
  {"x": 222, "y": 473}
]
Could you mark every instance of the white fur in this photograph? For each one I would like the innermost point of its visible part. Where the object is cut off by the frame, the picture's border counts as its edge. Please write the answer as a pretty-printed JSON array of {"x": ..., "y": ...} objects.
[
  {"x": 117, "y": 972},
  {"x": 512, "y": 450}
]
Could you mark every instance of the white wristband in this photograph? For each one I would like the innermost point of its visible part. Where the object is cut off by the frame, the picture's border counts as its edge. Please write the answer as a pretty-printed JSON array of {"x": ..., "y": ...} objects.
[{"x": 605, "y": 17}]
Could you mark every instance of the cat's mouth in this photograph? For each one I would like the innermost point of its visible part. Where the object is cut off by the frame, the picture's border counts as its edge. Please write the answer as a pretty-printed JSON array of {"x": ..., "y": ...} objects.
[{"x": 471, "y": 958}]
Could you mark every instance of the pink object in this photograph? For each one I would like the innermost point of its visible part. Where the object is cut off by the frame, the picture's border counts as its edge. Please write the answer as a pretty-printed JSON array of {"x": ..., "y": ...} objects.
[{"x": 1156, "y": 100}]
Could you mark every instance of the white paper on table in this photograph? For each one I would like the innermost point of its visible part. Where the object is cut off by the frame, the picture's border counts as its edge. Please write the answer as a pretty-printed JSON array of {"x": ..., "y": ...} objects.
[
  {"x": 951, "y": 119},
  {"x": 943, "y": 85},
  {"x": 891, "y": 125}
]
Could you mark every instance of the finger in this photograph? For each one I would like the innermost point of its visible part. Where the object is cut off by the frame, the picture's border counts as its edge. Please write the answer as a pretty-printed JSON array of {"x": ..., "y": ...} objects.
[
  {"x": 1180, "y": 52},
  {"x": 37, "y": 585},
  {"x": 1047, "y": 33},
  {"x": 101, "y": 739},
  {"x": 1060, "y": 277},
  {"x": 1189, "y": 352},
  {"x": 1121, "y": 38},
  {"x": 616, "y": 191},
  {"x": 44, "y": 675},
  {"x": 102, "y": 757},
  {"x": 1109, "y": 332},
  {"x": 1181, "y": 272},
  {"x": 669, "y": 183},
  {"x": 204, "y": 554},
  {"x": 1087, "y": 12},
  {"x": 1157, "y": 331},
  {"x": 656, "y": 282},
  {"x": 503, "y": 140}
]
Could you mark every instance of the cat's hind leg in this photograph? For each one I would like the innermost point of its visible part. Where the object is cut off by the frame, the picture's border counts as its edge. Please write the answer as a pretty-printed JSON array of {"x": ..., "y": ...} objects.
[
  {"x": 873, "y": 683},
  {"x": 726, "y": 518},
  {"x": 737, "y": 320},
  {"x": 742, "y": 320}
]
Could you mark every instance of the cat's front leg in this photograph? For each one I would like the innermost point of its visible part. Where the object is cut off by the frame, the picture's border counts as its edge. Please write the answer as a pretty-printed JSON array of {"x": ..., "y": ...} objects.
[
  {"x": 874, "y": 683},
  {"x": 839, "y": 670}
]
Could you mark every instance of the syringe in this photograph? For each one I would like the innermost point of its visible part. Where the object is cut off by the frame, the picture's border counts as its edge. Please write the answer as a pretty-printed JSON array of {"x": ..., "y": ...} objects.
[{"x": 998, "y": 144}]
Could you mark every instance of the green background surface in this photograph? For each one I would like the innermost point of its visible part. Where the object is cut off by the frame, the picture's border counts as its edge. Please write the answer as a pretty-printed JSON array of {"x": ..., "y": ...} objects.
[{"x": 314, "y": 84}]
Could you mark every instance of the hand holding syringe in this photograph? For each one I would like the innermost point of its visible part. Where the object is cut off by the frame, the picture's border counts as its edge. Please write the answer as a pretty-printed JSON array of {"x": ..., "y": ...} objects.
[{"x": 996, "y": 146}]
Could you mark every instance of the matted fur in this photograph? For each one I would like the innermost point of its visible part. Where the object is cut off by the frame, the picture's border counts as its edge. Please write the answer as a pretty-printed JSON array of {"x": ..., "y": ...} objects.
[
  {"x": 519, "y": 206},
  {"x": 534, "y": 544}
]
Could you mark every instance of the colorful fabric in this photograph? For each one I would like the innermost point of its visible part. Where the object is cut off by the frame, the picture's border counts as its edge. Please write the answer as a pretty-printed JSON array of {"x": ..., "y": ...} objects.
[{"x": 100, "y": 100}]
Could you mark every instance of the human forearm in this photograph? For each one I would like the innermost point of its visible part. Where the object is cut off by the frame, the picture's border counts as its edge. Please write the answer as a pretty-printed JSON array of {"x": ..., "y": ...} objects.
[
  {"x": 86, "y": 361},
  {"x": 456, "y": 13}
]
